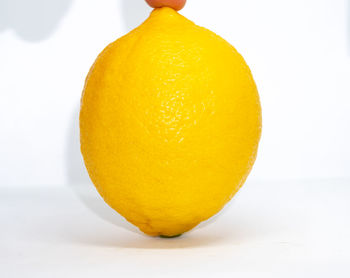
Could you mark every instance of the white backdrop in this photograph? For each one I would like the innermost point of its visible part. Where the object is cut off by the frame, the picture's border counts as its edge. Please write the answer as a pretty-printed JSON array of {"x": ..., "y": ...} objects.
[{"x": 299, "y": 53}]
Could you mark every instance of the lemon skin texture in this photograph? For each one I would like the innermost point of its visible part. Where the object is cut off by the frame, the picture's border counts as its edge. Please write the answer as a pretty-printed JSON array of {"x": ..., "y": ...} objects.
[{"x": 170, "y": 123}]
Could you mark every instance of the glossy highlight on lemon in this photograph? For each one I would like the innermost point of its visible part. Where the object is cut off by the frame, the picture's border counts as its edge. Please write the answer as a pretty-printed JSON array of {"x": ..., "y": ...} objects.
[{"x": 170, "y": 123}]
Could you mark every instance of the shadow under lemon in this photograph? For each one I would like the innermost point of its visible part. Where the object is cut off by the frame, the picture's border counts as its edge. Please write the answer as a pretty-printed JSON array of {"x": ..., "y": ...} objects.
[
  {"x": 79, "y": 181},
  {"x": 32, "y": 20}
]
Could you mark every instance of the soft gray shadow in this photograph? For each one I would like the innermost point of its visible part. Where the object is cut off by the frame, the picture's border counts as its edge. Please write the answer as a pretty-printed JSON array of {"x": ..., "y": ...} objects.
[
  {"x": 134, "y": 13},
  {"x": 76, "y": 171},
  {"x": 188, "y": 240},
  {"x": 78, "y": 180},
  {"x": 233, "y": 229},
  {"x": 32, "y": 20}
]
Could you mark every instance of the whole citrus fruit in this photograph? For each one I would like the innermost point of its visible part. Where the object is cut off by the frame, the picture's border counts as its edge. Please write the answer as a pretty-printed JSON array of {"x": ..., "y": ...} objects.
[{"x": 170, "y": 122}]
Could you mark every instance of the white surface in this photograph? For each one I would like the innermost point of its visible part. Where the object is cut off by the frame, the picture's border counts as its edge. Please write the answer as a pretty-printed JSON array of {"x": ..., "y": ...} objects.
[
  {"x": 280, "y": 229},
  {"x": 299, "y": 53}
]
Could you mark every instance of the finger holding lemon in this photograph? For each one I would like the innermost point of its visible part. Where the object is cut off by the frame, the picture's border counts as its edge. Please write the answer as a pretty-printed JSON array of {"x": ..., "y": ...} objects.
[{"x": 174, "y": 4}]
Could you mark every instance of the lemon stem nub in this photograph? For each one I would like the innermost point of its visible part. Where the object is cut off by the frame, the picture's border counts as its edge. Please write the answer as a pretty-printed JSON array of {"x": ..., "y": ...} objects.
[{"x": 164, "y": 236}]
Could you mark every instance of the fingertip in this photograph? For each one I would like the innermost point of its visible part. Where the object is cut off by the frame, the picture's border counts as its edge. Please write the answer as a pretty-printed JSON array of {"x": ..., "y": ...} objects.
[{"x": 174, "y": 4}]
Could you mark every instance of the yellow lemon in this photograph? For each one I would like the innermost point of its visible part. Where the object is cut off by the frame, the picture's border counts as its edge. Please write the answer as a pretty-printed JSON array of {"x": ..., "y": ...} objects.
[{"x": 170, "y": 123}]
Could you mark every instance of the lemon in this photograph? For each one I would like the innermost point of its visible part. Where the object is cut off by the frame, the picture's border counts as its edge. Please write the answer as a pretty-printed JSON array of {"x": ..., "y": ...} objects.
[{"x": 170, "y": 123}]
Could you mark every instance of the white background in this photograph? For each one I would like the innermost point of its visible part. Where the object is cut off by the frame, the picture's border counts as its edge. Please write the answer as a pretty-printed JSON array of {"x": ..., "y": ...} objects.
[
  {"x": 290, "y": 220},
  {"x": 299, "y": 53}
]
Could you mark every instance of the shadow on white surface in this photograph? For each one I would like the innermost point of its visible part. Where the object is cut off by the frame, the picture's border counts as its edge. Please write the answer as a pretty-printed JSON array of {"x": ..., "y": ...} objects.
[
  {"x": 183, "y": 242},
  {"x": 233, "y": 229},
  {"x": 134, "y": 13},
  {"x": 79, "y": 181},
  {"x": 75, "y": 168},
  {"x": 145, "y": 242},
  {"x": 32, "y": 20}
]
